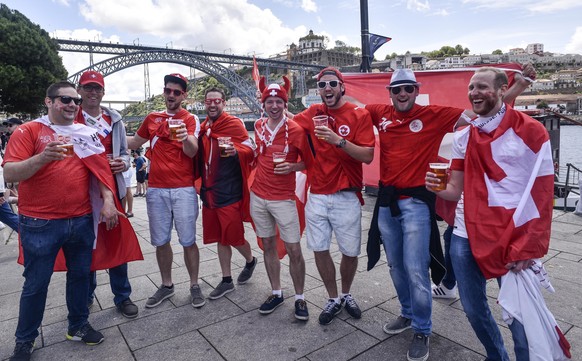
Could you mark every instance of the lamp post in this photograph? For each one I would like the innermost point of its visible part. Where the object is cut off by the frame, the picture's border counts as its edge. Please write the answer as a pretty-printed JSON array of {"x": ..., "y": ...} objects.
[{"x": 366, "y": 61}]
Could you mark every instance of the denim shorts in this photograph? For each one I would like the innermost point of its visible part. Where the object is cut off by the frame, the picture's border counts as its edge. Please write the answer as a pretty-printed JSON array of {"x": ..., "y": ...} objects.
[
  {"x": 340, "y": 212},
  {"x": 172, "y": 205},
  {"x": 270, "y": 214}
]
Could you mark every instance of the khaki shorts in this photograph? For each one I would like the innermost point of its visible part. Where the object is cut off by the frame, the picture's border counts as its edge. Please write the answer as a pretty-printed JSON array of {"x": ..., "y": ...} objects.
[{"x": 269, "y": 214}]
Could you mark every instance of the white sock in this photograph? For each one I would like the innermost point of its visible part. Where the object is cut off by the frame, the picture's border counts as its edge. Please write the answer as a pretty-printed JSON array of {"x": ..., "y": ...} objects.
[
  {"x": 299, "y": 297},
  {"x": 278, "y": 293},
  {"x": 337, "y": 299},
  {"x": 342, "y": 295}
]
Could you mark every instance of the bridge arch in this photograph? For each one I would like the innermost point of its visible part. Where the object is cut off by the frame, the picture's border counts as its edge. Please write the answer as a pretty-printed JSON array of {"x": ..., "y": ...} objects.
[{"x": 238, "y": 85}]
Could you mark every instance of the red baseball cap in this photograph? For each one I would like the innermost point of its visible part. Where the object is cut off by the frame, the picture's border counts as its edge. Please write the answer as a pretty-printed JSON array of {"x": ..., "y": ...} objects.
[
  {"x": 176, "y": 78},
  {"x": 331, "y": 71},
  {"x": 92, "y": 76}
]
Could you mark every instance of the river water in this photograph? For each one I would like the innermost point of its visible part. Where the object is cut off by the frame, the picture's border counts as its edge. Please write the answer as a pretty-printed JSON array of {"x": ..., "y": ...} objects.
[{"x": 571, "y": 145}]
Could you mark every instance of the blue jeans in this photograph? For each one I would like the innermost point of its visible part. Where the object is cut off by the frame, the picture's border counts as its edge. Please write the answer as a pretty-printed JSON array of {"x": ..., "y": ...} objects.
[
  {"x": 119, "y": 282},
  {"x": 406, "y": 242},
  {"x": 472, "y": 291},
  {"x": 41, "y": 241},
  {"x": 449, "y": 281},
  {"x": 8, "y": 217}
]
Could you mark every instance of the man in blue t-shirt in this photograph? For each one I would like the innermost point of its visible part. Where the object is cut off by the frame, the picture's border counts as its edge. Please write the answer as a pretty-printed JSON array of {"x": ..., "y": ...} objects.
[{"x": 140, "y": 173}]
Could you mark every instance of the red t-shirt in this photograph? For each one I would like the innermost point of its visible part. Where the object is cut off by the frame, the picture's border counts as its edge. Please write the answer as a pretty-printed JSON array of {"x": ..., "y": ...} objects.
[
  {"x": 333, "y": 169},
  {"x": 170, "y": 166},
  {"x": 60, "y": 189},
  {"x": 106, "y": 141},
  {"x": 410, "y": 141},
  {"x": 267, "y": 184}
]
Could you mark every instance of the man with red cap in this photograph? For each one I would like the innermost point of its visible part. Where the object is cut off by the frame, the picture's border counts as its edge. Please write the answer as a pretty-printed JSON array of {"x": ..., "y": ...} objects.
[
  {"x": 224, "y": 164},
  {"x": 111, "y": 130},
  {"x": 335, "y": 198},
  {"x": 171, "y": 198},
  {"x": 283, "y": 151}
]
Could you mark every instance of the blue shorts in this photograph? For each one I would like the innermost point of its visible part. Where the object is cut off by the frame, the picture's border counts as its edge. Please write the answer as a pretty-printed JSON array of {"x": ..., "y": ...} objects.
[
  {"x": 340, "y": 212},
  {"x": 172, "y": 205}
]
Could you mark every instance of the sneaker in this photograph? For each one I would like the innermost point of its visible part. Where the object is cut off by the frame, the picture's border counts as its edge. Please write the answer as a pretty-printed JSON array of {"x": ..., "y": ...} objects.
[
  {"x": 128, "y": 309},
  {"x": 197, "y": 296},
  {"x": 161, "y": 294},
  {"x": 330, "y": 310},
  {"x": 441, "y": 291},
  {"x": 418, "y": 350},
  {"x": 129, "y": 214},
  {"x": 272, "y": 302},
  {"x": 301, "y": 312},
  {"x": 86, "y": 334},
  {"x": 22, "y": 351},
  {"x": 222, "y": 289},
  {"x": 399, "y": 325},
  {"x": 246, "y": 273},
  {"x": 351, "y": 306}
]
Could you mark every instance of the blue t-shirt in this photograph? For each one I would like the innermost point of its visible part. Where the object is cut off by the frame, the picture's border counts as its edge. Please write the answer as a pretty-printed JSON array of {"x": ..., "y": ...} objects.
[{"x": 139, "y": 161}]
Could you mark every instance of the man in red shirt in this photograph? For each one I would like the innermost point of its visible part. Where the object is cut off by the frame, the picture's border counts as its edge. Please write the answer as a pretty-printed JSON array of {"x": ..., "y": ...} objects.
[
  {"x": 273, "y": 194},
  {"x": 108, "y": 124},
  {"x": 335, "y": 199},
  {"x": 51, "y": 220},
  {"x": 171, "y": 198},
  {"x": 224, "y": 192}
]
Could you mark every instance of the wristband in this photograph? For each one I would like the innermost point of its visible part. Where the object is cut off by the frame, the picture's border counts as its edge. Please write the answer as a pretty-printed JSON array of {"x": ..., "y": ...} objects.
[{"x": 341, "y": 144}]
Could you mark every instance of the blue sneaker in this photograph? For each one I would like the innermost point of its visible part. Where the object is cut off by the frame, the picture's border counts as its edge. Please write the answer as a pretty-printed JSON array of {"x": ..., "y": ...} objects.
[{"x": 272, "y": 302}]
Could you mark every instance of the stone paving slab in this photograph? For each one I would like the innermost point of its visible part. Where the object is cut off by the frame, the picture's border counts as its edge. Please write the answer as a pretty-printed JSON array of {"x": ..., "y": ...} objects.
[{"x": 231, "y": 328}]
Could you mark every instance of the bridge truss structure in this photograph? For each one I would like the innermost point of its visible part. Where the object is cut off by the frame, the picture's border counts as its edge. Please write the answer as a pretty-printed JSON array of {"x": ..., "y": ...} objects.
[{"x": 126, "y": 56}]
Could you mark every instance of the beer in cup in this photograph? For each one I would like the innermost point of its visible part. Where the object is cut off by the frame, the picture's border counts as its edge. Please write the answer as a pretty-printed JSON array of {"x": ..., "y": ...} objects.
[
  {"x": 440, "y": 169},
  {"x": 66, "y": 148},
  {"x": 174, "y": 125},
  {"x": 223, "y": 144},
  {"x": 278, "y": 158},
  {"x": 320, "y": 121}
]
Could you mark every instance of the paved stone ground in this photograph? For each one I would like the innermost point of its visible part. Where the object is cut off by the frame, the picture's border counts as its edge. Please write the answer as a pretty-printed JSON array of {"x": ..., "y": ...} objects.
[{"x": 231, "y": 328}]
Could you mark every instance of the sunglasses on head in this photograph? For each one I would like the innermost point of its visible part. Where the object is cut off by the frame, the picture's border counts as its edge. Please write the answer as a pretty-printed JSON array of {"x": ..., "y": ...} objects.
[
  {"x": 176, "y": 92},
  {"x": 332, "y": 83},
  {"x": 407, "y": 88},
  {"x": 65, "y": 99},
  {"x": 211, "y": 101},
  {"x": 90, "y": 88}
]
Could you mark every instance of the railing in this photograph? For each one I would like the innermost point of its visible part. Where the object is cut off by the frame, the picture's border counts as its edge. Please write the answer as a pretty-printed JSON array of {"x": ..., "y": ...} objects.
[{"x": 570, "y": 183}]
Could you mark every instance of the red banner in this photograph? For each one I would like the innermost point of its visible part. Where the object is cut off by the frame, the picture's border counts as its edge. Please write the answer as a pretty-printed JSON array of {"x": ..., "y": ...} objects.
[{"x": 256, "y": 75}]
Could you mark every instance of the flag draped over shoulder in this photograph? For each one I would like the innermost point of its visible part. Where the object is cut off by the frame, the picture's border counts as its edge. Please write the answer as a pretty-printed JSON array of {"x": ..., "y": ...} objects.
[
  {"x": 508, "y": 207},
  {"x": 120, "y": 244}
]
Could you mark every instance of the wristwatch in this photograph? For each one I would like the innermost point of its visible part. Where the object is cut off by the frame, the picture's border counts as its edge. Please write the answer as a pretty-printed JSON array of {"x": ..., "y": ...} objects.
[{"x": 341, "y": 143}]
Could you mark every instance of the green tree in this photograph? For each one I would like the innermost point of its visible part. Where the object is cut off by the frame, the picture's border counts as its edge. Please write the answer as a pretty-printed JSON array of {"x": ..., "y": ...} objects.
[
  {"x": 497, "y": 52},
  {"x": 459, "y": 49},
  {"x": 29, "y": 63}
]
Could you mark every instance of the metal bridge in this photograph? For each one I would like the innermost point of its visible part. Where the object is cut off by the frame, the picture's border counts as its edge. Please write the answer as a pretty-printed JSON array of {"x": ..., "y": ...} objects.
[{"x": 210, "y": 63}]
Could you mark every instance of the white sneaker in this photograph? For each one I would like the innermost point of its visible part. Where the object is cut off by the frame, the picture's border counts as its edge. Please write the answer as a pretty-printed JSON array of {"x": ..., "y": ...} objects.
[{"x": 441, "y": 291}]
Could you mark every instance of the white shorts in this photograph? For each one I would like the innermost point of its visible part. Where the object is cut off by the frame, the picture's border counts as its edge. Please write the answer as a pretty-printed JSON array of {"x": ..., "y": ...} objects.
[
  {"x": 281, "y": 213},
  {"x": 127, "y": 175},
  {"x": 340, "y": 212}
]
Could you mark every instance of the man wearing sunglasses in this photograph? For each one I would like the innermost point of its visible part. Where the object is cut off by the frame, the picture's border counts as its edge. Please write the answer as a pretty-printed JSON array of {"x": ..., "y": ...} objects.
[
  {"x": 335, "y": 199},
  {"x": 107, "y": 122},
  {"x": 224, "y": 192},
  {"x": 171, "y": 198},
  {"x": 410, "y": 136},
  {"x": 51, "y": 220}
]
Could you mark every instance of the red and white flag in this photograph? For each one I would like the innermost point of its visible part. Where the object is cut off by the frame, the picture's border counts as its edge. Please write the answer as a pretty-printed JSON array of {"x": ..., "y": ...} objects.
[
  {"x": 256, "y": 75},
  {"x": 508, "y": 207}
]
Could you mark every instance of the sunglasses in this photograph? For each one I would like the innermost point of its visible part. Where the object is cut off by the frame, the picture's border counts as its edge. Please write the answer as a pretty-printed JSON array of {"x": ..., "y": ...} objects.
[
  {"x": 332, "y": 84},
  {"x": 65, "y": 99},
  {"x": 211, "y": 101},
  {"x": 176, "y": 92},
  {"x": 407, "y": 88},
  {"x": 90, "y": 88}
]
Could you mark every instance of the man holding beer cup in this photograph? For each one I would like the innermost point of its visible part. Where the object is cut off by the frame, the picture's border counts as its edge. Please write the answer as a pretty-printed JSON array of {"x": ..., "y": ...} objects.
[
  {"x": 224, "y": 163},
  {"x": 171, "y": 197},
  {"x": 283, "y": 149}
]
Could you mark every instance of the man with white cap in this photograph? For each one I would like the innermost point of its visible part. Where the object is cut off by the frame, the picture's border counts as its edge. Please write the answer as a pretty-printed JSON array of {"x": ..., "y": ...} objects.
[
  {"x": 410, "y": 136},
  {"x": 273, "y": 193}
]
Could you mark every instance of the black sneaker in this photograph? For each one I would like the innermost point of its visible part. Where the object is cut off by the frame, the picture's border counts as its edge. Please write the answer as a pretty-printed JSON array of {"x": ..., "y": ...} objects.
[
  {"x": 22, "y": 351},
  {"x": 128, "y": 309},
  {"x": 330, "y": 310},
  {"x": 86, "y": 334},
  {"x": 301, "y": 312},
  {"x": 272, "y": 302},
  {"x": 418, "y": 350},
  {"x": 399, "y": 325},
  {"x": 246, "y": 273},
  {"x": 351, "y": 306}
]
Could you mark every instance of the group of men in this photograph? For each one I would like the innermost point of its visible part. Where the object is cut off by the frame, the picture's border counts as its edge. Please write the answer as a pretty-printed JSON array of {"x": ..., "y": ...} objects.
[{"x": 220, "y": 153}]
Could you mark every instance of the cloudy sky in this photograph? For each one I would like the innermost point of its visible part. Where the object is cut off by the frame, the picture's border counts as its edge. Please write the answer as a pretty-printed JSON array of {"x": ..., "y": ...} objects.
[{"x": 266, "y": 27}]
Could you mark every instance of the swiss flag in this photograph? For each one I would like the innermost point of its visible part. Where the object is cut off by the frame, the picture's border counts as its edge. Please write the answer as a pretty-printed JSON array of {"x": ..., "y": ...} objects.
[
  {"x": 256, "y": 76},
  {"x": 508, "y": 205}
]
